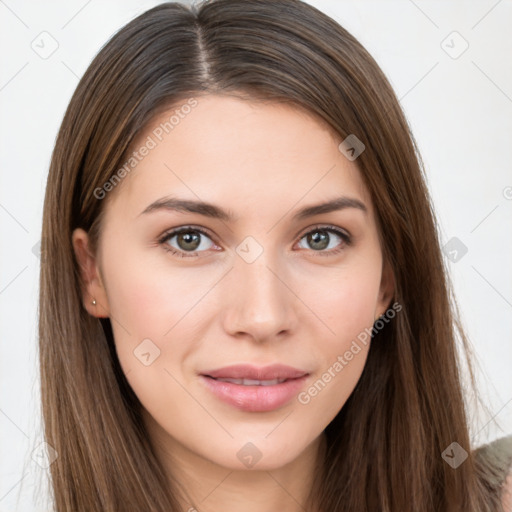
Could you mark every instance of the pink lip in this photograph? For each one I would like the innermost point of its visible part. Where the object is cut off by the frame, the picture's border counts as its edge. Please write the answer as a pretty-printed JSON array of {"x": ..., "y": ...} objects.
[
  {"x": 246, "y": 371},
  {"x": 255, "y": 398}
]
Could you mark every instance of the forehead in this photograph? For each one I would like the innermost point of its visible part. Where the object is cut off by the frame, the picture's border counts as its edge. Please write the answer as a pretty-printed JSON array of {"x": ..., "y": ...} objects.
[{"x": 242, "y": 154}]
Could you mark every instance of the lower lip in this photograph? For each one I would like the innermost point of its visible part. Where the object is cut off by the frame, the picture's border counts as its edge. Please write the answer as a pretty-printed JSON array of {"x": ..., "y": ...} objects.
[{"x": 255, "y": 398}]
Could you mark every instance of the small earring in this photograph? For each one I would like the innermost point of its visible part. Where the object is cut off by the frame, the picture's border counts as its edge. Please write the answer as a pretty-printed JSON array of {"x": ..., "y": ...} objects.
[{"x": 94, "y": 302}]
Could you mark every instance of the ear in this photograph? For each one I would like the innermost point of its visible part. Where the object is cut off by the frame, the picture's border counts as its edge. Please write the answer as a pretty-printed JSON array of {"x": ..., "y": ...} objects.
[
  {"x": 386, "y": 290},
  {"x": 94, "y": 295}
]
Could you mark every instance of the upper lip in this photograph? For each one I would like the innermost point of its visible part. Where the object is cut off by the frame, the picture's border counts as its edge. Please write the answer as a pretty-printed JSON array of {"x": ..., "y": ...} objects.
[{"x": 246, "y": 371}]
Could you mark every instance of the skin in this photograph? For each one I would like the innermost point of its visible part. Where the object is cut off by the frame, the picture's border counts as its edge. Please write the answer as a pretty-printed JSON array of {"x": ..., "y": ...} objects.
[{"x": 295, "y": 304}]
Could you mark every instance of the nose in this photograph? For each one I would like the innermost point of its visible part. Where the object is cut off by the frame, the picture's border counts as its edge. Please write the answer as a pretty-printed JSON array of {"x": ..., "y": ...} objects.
[{"x": 260, "y": 303}]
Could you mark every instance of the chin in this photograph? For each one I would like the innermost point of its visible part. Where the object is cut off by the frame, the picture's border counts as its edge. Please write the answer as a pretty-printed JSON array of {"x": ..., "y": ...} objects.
[{"x": 258, "y": 454}]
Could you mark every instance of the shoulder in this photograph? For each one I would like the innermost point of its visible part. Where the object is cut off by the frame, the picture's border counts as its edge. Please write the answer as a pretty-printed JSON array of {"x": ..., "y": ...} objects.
[
  {"x": 495, "y": 462},
  {"x": 506, "y": 495}
]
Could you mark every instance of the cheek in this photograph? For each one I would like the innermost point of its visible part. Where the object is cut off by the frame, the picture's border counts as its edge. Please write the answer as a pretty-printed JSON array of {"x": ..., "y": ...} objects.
[
  {"x": 346, "y": 303},
  {"x": 149, "y": 298},
  {"x": 146, "y": 302},
  {"x": 150, "y": 316},
  {"x": 347, "y": 314}
]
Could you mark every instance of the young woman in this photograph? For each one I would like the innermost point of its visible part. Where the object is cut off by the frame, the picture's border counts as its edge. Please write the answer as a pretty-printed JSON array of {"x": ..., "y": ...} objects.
[{"x": 243, "y": 303}]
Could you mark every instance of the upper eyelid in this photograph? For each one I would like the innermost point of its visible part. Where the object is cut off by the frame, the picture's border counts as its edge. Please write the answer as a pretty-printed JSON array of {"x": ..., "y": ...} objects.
[
  {"x": 326, "y": 227},
  {"x": 176, "y": 231}
]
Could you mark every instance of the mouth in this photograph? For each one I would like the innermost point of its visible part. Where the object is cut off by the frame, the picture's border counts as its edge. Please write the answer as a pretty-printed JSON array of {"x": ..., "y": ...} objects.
[
  {"x": 255, "y": 392},
  {"x": 248, "y": 373}
]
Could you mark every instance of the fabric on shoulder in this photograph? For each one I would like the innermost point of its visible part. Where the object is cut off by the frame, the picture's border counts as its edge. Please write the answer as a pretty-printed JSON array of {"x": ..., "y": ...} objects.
[{"x": 494, "y": 461}]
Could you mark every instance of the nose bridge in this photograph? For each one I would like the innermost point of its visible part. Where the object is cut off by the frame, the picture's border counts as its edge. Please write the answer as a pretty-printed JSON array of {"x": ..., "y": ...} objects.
[{"x": 259, "y": 302}]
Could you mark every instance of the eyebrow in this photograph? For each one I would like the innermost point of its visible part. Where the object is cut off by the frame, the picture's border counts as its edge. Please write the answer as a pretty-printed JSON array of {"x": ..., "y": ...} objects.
[{"x": 216, "y": 212}]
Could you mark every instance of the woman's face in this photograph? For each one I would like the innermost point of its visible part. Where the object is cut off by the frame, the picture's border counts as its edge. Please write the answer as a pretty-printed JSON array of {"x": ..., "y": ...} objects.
[{"x": 249, "y": 281}]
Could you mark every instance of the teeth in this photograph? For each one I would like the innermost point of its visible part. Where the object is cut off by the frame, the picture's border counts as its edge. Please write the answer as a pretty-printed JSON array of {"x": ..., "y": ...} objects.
[{"x": 250, "y": 382}]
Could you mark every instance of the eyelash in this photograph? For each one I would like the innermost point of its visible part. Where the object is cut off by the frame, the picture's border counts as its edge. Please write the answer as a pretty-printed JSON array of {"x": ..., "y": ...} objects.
[{"x": 347, "y": 240}]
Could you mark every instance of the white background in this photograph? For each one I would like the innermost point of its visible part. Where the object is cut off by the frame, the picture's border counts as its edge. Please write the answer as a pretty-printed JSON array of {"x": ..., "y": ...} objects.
[{"x": 460, "y": 111}]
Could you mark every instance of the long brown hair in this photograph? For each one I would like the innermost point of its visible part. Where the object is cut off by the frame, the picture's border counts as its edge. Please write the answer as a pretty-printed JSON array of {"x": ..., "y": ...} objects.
[{"x": 384, "y": 447}]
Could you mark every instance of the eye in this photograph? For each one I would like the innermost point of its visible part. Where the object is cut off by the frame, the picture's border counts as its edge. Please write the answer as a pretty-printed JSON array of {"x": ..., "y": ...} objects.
[
  {"x": 188, "y": 240},
  {"x": 321, "y": 237}
]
